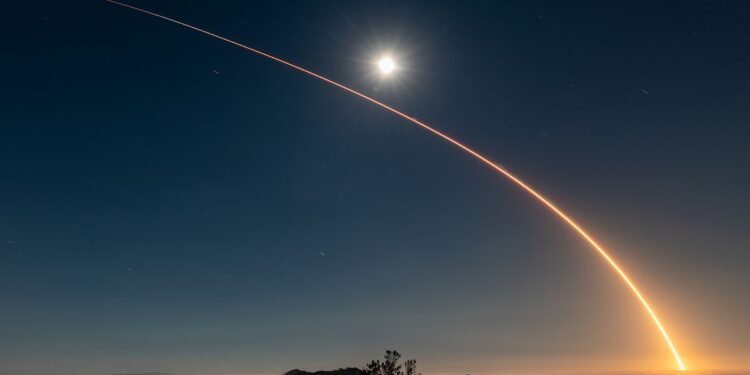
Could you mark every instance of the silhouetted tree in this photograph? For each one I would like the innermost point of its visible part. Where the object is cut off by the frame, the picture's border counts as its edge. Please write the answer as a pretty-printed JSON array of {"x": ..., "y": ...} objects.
[
  {"x": 390, "y": 365},
  {"x": 410, "y": 367}
]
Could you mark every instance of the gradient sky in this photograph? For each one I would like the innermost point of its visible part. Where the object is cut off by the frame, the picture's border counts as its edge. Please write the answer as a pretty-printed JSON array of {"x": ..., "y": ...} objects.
[{"x": 166, "y": 199}]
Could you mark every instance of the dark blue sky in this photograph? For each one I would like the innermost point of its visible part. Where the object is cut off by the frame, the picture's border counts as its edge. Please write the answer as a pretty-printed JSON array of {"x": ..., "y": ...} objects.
[{"x": 166, "y": 197}]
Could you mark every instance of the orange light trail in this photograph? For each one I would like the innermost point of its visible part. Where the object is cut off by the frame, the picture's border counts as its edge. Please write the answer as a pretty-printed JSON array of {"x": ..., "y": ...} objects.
[{"x": 575, "y": 226}]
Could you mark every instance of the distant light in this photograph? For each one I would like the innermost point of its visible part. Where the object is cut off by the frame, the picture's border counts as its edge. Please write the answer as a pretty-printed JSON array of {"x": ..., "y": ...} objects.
[{"x": 386, "y": 65}]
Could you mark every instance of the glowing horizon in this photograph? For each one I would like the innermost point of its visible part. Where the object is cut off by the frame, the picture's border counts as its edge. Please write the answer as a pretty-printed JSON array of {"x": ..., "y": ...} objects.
[{"x": 524, "y": 186}]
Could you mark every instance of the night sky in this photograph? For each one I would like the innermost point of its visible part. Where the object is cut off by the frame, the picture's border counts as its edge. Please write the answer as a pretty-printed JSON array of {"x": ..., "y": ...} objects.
[{"x": 169, "y": 202}]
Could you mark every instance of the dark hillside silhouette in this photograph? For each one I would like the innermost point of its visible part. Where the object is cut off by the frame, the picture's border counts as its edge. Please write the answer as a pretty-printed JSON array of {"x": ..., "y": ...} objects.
[
  {"x": 388, "y": 366},
  {"x": 341, "y": 371}
]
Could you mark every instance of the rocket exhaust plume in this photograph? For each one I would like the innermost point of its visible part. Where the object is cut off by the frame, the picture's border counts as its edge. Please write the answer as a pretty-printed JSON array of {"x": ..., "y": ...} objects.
[{"x": 528, "y": 189}]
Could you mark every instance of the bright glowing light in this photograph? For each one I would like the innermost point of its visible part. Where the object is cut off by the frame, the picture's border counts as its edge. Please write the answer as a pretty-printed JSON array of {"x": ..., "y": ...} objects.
[{"x": 387, "y": 66}]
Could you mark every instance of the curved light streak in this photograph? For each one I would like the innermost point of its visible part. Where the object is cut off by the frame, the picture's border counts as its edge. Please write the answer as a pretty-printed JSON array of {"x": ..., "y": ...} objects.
[{"x": 567, "y": 219}]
